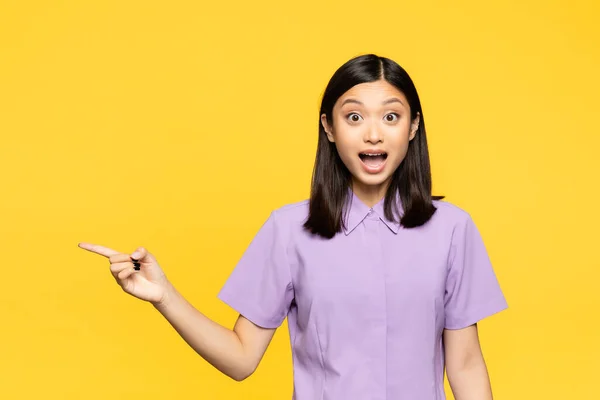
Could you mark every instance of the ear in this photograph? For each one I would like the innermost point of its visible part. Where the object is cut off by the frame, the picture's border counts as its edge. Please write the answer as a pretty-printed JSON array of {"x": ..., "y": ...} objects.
[
  {"x": 327, "y": 127},
  {"x": 414, "y": 126}
]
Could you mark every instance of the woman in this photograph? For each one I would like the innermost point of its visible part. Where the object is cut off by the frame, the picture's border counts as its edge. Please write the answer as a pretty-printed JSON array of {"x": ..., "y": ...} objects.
[{"x": 382, "y": 283}]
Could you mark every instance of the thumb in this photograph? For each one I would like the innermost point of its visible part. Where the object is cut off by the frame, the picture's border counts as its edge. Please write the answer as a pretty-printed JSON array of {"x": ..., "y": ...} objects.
[{"x": 141, "y": 254}]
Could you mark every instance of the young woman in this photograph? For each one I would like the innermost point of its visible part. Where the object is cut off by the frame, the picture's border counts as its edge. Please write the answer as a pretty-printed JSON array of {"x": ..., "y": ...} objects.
[{"x": 382, "y": 283}]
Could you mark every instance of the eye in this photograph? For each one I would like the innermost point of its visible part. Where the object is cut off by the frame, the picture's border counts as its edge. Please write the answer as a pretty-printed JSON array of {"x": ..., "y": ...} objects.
[
  {"x": 391, "y": 117},
  {"x": 353, "y": 117}
]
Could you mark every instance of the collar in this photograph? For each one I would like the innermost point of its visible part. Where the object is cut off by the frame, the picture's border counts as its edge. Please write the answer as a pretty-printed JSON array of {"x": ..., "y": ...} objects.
[{"x": 356, "y": 211}]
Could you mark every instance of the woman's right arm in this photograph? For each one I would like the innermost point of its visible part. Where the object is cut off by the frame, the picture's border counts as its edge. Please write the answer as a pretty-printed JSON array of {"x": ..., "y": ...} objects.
[{"x": 236, "y": 353}]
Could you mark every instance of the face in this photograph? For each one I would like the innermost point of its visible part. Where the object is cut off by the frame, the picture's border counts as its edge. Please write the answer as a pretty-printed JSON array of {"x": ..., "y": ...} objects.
[{"x": 371, "y": 128}]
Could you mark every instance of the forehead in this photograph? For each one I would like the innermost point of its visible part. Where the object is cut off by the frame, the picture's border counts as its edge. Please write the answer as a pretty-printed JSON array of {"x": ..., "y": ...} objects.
[{"x": 373, "y": 93}]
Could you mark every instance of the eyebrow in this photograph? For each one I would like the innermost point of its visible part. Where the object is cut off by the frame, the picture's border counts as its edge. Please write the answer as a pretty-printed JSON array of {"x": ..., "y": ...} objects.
[{"x": 388, "y": 101}]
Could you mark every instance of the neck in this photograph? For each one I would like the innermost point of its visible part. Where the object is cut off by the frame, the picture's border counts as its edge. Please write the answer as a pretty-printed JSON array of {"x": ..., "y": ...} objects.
[{"x": 370, "y": 194}]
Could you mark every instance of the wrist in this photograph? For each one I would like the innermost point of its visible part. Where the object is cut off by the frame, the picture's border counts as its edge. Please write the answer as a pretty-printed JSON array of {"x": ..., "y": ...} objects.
[{"x": 166, "y": 299}]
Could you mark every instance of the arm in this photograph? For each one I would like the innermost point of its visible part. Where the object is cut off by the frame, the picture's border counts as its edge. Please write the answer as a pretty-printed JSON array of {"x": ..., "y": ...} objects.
[
  {"x": 465, "y": 366},
  {"x": 235, "y": 352}
]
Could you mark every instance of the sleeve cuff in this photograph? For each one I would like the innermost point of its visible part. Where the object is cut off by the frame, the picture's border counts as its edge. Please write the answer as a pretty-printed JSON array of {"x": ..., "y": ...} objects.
[
  {"x": 476, "y": 315},
  {"x": 247, "y": 312}
]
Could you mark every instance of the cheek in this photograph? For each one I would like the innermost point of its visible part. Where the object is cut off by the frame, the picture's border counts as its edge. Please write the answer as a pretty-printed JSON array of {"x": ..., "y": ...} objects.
[
  {"x": 348, "y": 152},
  {"x": 402, "y": 147},
  {"x": 400, "y": 132},
  {"x": 400, "y": 143},
  {"x": 345, "y": 149},
  {"x": 346, "y": 140}
]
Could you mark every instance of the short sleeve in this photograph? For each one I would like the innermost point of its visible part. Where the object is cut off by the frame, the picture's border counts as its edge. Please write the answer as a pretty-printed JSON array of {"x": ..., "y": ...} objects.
[
  {"x": 472, "y": 289},
  {"x": 260, "y": 287}
]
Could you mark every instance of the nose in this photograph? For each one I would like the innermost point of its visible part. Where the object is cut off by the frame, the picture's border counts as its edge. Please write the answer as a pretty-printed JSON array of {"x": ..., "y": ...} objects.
[{"x": 373, "y": 134}]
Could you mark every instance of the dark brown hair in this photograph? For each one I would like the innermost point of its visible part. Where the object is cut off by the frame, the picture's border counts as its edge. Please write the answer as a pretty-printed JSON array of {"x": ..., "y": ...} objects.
[{"x": 331, "y": 179}]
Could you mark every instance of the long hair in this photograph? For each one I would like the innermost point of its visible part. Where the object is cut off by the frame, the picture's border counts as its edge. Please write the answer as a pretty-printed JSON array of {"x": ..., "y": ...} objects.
[{"x": 331, "y": 178}]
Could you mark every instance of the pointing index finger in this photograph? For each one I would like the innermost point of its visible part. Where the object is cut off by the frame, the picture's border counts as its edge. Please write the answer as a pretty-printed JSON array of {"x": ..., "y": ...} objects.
[{"x": 96, "y": 248}]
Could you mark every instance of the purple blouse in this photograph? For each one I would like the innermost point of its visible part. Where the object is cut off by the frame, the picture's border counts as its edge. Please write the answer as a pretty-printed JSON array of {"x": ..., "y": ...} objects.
[{"x": 366, "y": 309}]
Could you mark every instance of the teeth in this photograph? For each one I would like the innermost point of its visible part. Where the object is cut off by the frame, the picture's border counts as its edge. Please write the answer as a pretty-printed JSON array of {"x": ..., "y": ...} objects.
[{"x": 373, "y": 155}]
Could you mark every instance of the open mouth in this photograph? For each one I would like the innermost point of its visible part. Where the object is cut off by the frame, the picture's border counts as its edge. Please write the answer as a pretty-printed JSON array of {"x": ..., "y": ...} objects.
[{"x": 373, "y": 160}]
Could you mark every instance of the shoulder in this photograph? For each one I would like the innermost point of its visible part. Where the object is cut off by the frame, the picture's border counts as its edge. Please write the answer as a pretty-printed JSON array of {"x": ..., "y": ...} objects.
[
  {"x": 449, "y": 213},
  {"x": 292, "y": 213},
  {"x": 456, "y": 221}
]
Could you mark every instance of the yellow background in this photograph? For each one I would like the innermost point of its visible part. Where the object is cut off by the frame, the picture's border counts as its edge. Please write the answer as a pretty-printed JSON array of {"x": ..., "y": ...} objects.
[{"x": 180, "y": 125}]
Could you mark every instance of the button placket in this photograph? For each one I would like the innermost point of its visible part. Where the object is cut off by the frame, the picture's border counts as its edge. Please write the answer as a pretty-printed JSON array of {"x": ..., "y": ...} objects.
[{"x": 372, "y": 231}]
